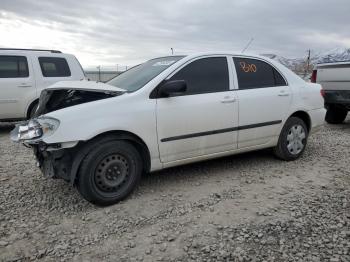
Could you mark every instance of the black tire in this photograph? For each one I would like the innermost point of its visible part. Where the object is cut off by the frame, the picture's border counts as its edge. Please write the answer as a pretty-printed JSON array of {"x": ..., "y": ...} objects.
[
  {"x": 282, "y": 150},
  {"x": 336, "y": 115},
  {"x": 109, "y": 172}
]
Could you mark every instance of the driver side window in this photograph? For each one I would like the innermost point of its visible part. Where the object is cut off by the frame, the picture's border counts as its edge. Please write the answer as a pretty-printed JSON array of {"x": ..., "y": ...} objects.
[{"x": 206, "y": 75}]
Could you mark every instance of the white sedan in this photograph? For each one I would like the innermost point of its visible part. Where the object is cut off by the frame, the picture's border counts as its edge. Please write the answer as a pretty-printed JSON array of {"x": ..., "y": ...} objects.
[{"x": 166, "y": 112}]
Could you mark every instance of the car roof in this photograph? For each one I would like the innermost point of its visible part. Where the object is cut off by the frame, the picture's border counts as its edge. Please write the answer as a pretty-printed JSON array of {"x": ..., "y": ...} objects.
[
  {"x": 230, "y": 53},
  {"x": 224, "y": 53},
  {"x": 28, "y": 50},
  {"x": 47, "y": 52},
  {"x": 210, "y": 53}
]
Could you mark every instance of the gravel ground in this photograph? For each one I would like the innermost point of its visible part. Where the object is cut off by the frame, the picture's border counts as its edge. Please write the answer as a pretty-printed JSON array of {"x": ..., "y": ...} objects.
[{"x": 250, "y": 207}]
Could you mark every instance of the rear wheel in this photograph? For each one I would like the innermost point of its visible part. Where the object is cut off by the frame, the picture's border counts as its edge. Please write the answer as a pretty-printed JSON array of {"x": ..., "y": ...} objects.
[
  {"x": 292, "y": 140},
  {"x": 336, "y": 115},
  {"x": 109, "y": 173}
]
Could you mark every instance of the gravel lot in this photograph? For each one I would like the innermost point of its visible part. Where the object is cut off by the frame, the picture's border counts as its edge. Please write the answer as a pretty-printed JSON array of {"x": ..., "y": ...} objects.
[{"x": 250, "y": 207}]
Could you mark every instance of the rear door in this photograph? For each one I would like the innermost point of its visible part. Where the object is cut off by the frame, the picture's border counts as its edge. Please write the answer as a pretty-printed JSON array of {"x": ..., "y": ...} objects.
[
  {"x": 201, "y": 121},
  {"x": 264, "y": 101},
  {"x": 17, "y": 85}
]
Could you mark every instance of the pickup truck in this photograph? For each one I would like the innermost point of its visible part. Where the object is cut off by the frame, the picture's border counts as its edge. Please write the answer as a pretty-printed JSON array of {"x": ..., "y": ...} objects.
[{"x": 335, "y": 81}]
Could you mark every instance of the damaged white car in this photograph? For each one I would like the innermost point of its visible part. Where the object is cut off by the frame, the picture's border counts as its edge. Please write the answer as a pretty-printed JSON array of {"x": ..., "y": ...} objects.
[{"x": 166, "y": 112}]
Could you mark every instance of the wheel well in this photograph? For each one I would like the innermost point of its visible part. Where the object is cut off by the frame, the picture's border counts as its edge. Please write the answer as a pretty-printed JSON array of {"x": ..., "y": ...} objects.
[
  {"x": 84, "y": 148},
  {"x": 31, "y": 107},
  {"x": 305, "y": 117},
  {"x": 133, "y": 139}
]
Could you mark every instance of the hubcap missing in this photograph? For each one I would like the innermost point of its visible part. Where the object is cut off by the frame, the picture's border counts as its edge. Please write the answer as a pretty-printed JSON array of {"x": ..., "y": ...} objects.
[{"x": 111, "y": 173}]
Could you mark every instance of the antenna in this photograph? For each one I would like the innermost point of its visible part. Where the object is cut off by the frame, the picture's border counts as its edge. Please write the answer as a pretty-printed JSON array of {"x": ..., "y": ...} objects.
[{"x": 246, "y": 47}]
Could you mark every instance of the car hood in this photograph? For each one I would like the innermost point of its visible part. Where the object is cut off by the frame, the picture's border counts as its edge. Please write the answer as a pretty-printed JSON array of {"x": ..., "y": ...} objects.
[
  {"x": 72, "y": 93},
  {"x": 84, "y": 85}
]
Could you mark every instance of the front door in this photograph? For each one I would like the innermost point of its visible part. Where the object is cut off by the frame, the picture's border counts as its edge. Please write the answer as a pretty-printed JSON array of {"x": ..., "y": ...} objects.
[{"x": 201, "y": 121}]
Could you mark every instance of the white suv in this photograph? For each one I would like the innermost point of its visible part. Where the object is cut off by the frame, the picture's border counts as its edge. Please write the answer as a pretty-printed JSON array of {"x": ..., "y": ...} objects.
[
  {"x": 166, "y": 112},
  {"x": 25, "y": 72}
]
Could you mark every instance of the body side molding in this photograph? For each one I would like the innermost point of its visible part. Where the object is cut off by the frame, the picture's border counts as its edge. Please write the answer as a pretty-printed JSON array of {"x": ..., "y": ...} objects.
[{"x": 219, "y": 131}]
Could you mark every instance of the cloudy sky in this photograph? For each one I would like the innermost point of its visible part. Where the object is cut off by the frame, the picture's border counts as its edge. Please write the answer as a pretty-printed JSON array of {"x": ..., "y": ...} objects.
[{"x": 128, "y": 31}]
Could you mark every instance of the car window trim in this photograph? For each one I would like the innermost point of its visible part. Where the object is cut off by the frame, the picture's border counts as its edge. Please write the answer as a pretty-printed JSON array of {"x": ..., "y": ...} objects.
[
  {"x": 235, "y": 84},
  {"x": 260, "y": 59}
]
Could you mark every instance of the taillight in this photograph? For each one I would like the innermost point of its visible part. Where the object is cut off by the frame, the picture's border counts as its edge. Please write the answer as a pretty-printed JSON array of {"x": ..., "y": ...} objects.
[{"x": 313, "y": 76}]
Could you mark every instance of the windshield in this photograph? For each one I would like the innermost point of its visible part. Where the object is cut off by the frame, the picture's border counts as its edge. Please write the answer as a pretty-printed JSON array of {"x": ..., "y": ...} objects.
[{"x": 138, "y": 76}]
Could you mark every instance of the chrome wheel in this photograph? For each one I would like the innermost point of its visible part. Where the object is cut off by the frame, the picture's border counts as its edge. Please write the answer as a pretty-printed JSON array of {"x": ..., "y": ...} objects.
[{"x": 296, "y": 139}]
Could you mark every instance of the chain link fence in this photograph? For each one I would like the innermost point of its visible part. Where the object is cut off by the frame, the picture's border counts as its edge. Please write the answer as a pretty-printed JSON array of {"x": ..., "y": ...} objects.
[{"x": 104, "y": 73}]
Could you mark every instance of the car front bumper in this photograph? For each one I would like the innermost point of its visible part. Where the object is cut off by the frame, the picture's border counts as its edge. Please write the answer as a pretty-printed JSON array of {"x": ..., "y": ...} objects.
[{"x": 53, "y": 163}]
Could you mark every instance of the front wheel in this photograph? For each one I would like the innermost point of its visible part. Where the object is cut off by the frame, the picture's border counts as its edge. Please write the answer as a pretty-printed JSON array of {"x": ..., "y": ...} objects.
[
  {"x": 292, "y": 140},
  {"x": 109, "y": 172}
]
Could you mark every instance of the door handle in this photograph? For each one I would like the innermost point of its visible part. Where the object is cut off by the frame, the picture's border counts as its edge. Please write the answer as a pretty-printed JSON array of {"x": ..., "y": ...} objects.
[
  {"x": 228, "y": 99},
  {"x": 283, "y": 93},
  {"x": 24, "y": 85}
]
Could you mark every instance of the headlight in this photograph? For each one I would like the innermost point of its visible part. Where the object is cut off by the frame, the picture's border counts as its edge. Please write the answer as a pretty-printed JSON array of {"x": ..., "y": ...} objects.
[{"x": 34, "y": 129}]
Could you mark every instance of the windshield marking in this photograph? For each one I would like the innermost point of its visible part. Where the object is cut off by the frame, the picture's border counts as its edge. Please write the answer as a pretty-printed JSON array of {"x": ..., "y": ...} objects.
[{"x": 164, "y": 63}]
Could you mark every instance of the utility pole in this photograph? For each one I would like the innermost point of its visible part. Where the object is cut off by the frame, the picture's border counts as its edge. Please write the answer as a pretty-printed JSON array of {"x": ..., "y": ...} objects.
[
  {"x": 99, "y": 73},
  {"x": 308, "y": 61},
  {"x": 172, "y": 50}
]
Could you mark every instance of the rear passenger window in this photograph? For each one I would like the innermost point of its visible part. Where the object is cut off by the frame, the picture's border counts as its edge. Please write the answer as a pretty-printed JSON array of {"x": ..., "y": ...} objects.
[
  {"x": 54, "y": 67},
  {"x": 254, "y": 73},
  {"x": 13, "y": 66},
  {"x": 206, "y": 75}
]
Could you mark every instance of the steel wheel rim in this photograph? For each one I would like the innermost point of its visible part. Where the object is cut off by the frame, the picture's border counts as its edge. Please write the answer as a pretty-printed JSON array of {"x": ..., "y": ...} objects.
[
  {"x": 296, "y": 138},
  {"x": 111, "y": 173}
]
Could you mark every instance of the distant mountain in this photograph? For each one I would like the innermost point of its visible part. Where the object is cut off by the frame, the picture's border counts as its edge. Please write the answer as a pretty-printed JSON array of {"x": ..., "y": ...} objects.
[
  {"x": 291, "y": 63},
  {"x": 298, "y": 64},
  {"x": 333, "y": 55}
]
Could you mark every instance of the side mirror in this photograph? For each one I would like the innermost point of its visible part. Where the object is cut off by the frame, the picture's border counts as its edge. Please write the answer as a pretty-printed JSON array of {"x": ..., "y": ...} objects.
[{"x": 173, "y": 88}]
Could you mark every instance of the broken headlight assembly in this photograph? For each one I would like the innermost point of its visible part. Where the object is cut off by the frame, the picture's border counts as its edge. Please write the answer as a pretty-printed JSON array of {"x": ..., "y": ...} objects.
[{"x": 35, "y": 129}]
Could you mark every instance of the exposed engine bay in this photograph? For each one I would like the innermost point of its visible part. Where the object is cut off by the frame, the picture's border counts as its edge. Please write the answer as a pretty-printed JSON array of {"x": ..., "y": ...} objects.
[{"x": 55, "y": 99}]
